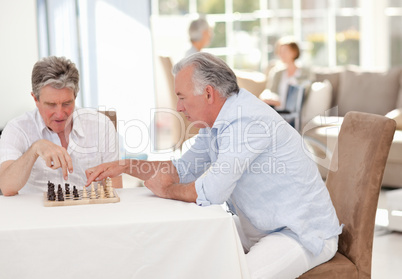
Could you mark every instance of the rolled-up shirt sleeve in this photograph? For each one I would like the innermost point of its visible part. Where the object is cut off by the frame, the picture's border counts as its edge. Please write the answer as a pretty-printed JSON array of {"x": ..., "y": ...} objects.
[
  {"x": 201, "y": 198},
  {"x": 195, "y": 161},
  {"x": 231, "y": 157}
]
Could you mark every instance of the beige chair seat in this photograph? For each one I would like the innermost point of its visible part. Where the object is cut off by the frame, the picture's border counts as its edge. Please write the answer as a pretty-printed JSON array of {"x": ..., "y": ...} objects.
[{"x": 339, "y": 267}]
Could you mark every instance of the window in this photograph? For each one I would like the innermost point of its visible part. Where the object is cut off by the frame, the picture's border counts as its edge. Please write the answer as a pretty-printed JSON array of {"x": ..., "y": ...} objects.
[
  {"x": 330, "y": 32},
  {"x": 110, "y": 42},
  {"x": 394, "y": 14}
]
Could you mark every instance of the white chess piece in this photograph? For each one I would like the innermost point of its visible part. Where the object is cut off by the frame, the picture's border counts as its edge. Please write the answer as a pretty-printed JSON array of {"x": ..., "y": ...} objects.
[
  {"x": 101, "y": 191},
  {"x": 99, "y": 188},
  {"x": 84, "y": 192},
  {"x": 93, "y": 193},
  {"x": 109, "y": 187}
]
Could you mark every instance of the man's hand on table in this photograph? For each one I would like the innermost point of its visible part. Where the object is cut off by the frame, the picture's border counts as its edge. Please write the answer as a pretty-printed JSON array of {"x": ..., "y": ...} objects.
[
  {"x": 166, "y": 185},
  {"x": 160, "y": 182}
]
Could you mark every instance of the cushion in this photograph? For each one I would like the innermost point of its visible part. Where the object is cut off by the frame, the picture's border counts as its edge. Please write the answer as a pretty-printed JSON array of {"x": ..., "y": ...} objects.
[
  {"x": 338, "y": 267},
  {"x": 317, "y": 101},
  {"x": 395, "y": 154},
  {"x": 332, "y": 75},
  {"x": 399, "y": 101},
  {"x": 396, "y": 114},
  {"x": 372, "y": 92}
]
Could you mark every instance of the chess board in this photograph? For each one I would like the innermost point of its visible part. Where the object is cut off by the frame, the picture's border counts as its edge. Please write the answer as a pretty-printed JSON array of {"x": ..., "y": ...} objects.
[
  {"x": 64, "y": 197},
  {"x": 70, "y": 200}
]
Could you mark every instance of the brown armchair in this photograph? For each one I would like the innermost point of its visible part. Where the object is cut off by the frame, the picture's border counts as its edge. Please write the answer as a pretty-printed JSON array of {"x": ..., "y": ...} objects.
[
  {"x": 354, "y": 183},
  {"x": 181, "y": 128}
]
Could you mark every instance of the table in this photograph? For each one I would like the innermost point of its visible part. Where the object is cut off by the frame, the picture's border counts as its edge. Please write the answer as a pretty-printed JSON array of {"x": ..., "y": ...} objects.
[{"x": 142, "y": 236}]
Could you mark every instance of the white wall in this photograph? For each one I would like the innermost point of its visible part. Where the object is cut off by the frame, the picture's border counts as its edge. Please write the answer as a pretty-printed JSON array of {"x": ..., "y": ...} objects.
[{"x": 18, "y": 54}]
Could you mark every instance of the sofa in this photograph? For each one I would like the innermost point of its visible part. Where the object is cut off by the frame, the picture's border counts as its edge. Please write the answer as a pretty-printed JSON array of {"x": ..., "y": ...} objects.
[{"x": 335, "y": 91}]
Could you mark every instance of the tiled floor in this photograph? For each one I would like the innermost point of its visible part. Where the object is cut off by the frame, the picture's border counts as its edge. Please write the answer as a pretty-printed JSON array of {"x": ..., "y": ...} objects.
[
  {"x": 387, "y": 246},
  {"x": 387, "y": 255}
]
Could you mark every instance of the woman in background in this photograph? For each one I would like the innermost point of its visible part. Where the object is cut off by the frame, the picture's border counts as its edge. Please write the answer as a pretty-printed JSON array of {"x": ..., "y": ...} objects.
[{"x": 285, "y": 74}]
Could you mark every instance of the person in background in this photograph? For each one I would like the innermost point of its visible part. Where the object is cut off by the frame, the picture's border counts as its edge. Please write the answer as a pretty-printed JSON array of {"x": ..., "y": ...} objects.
[
  {"x": 200, "y": 34},
  {"x": 247, "y": 156},
  {"x": 284, "y": 74},
  {"x": 56, "y": 141}
]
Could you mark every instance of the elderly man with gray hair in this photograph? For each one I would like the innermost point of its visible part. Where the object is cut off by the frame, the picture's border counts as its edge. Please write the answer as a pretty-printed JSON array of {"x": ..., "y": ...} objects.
[
  {"x": 249, "y": 157},
  {"x": 56, "y": 141},
  {"x": 200, "y": 34}
]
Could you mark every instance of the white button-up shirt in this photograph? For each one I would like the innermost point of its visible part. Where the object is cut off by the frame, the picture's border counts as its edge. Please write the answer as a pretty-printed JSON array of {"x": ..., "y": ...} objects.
[{"x": 92, "y": 141}]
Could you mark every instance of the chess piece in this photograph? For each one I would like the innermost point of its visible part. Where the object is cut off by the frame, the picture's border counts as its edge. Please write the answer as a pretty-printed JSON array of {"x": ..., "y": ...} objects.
[
  {"x": 93, "y": 193},
  {"x": 67, "y": 188},
  {"x": 98, "y": 188},
  {"x": 84, "y": 193},
  {"x": 60, "y": 196},
  {"x": 75, "y": 193},
  {"x": 101, "y": 191},
  {"x": 51, "y": 195},
  {"x": 109, "y": 187}
]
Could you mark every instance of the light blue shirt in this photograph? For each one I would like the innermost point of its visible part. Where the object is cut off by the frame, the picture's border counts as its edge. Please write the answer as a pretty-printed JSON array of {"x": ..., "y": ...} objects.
[{"x": 253, "y": 160}]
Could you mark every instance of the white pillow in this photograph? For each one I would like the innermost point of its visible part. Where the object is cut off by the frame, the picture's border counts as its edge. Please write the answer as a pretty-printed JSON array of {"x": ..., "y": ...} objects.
[
  {"x": 396, "y": 114},
  {"x": 318, "y": 101}
]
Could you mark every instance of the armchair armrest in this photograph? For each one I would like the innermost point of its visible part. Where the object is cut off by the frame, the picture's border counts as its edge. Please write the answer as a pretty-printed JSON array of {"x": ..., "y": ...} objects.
[
  {"x": 317, "y": 101},
  {"x": 254, "y": 82},
  {"x": 396, "y": 114}
]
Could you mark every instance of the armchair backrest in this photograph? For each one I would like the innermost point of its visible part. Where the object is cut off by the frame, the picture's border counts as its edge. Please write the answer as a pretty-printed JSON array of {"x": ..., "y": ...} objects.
[
  {"x": 354, "y": 182},
  {"x": 112, "y": 116}
]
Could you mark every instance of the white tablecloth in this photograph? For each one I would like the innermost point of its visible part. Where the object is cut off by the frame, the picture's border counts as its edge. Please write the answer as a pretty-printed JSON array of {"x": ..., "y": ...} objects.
[{"x": 142, "y": 236}]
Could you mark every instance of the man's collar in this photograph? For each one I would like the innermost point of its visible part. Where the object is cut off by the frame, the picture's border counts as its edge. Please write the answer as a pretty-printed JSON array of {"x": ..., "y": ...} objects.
[
  {"x": 38, "y": 119},
  {"x": 221, "y": 120},
  {"x": 77, "y": 126}
]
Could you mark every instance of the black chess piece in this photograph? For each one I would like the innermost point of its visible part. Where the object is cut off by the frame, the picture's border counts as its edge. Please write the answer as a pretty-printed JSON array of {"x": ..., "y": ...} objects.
[
  {"x": 51, "y": 195},
  {"x": 67, "y": 187},
  {"x": 75, "y": 192},
  {"x": 60, "y": 195}
]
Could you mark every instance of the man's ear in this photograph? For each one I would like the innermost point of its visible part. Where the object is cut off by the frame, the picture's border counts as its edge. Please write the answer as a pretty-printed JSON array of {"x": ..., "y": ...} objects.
[
  {"x": 35, "y": 99},
  {"x": 210, "y": 94}
]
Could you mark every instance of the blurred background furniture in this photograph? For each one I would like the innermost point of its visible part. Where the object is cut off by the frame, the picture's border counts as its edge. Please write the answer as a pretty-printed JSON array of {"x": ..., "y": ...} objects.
[
  {"x": 112, "y": 116},
  {"x": 354, "y": 184},
  {"x": 338, "y": 90},
  {"x": 293, "y": 106},
  {"x": 253, "y": 81},
  {"x": 356, "y": 90},
  {"x": 173, "y": 127}
]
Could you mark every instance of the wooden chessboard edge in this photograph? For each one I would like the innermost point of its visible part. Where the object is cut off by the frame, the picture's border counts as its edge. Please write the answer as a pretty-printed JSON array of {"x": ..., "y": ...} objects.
[{"x": 85, "y": 201}]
